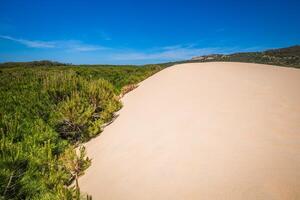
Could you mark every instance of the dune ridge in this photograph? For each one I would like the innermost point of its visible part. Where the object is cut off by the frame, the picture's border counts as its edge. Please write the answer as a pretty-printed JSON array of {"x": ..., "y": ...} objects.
[{"x": 202, "y": 131}]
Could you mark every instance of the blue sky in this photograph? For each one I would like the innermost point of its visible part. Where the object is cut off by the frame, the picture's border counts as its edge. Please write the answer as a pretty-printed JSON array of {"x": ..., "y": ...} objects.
[{"x": 137, "y": 32}]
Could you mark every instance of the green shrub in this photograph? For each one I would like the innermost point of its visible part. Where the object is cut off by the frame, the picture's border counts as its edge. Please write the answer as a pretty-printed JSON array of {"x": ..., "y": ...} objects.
[
  {"x": 72, "y": 117},
  {"x": 44, "y": 113}
]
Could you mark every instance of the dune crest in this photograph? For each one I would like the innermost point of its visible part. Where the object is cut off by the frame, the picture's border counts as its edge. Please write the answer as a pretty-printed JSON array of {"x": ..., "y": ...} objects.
[{"x": 202, "y": 131}]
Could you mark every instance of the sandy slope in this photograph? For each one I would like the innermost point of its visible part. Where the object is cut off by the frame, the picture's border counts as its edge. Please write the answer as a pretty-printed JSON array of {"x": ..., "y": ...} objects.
[{"x": 203, "y": 131}]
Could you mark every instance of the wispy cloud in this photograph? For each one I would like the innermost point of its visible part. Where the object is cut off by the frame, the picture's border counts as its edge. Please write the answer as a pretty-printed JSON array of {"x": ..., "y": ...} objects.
[
  {"x": 122, "y": 55},
  {"x": 77, "y": 45},
  {"x": 30, "y": 43},
  {"x": 73, "y": 45},
  {"x": 176, "y": 52},
  {"x": 88, "y": 48}
]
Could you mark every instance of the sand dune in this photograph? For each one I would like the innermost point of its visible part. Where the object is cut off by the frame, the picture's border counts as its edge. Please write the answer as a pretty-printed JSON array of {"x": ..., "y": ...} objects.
[{"x": 202, "y": 131}]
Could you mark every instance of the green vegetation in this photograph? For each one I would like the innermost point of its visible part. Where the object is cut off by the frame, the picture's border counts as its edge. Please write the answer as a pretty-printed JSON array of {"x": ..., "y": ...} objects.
[
  {"x": 47, "y": 109},
  {"x": 46, "y": 112},
  {"x": 289, "y": 57},
  {"x": 45, "y": 63}
]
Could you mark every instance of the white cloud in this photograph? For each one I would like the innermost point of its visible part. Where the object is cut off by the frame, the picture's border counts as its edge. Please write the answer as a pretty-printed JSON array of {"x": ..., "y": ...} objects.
[
  {"x": 176, "y": 52},
  {"x": 124, "y": 55},
  {"x": 87, "y": 48},
  {"x": 30, "y": 43},
  {"x": 73, "y": 45},
  {"x": 76, "y": 45}
]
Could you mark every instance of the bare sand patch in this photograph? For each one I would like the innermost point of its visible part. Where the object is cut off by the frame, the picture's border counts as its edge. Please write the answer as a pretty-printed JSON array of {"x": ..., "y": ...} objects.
[{"x": 202, "y": 131}]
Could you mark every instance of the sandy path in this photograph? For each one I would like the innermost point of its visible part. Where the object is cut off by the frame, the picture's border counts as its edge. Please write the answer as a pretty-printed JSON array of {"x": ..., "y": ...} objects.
[{"x": 203, "y": 131}]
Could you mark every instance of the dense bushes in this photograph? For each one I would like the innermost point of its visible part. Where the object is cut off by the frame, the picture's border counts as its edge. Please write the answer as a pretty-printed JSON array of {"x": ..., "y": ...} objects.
[
  {"x": 82, "y": 114},
  {"x": 44, "y": 114}
]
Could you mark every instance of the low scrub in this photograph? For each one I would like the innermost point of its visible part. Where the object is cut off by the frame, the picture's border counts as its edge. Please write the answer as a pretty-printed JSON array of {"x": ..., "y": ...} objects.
[{"x": 45, "y": 114}]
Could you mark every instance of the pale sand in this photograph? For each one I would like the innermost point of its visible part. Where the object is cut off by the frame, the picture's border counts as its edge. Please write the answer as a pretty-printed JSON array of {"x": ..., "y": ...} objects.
[{"x": 202, "y": 131}]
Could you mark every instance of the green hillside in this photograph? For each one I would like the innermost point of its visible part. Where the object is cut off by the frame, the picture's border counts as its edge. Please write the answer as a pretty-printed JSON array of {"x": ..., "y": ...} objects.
[
  {"x": 46, "y": 112},
  {"x": 289, "y": 57}
]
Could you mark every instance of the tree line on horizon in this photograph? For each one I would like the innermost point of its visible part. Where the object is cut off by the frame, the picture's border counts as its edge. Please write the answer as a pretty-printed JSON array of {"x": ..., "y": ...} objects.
[{"x": 288, "y": 57}]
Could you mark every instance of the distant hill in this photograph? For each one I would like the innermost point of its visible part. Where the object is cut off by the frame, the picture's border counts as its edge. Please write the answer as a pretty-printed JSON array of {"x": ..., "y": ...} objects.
[{"x": 289, "y": 56}]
